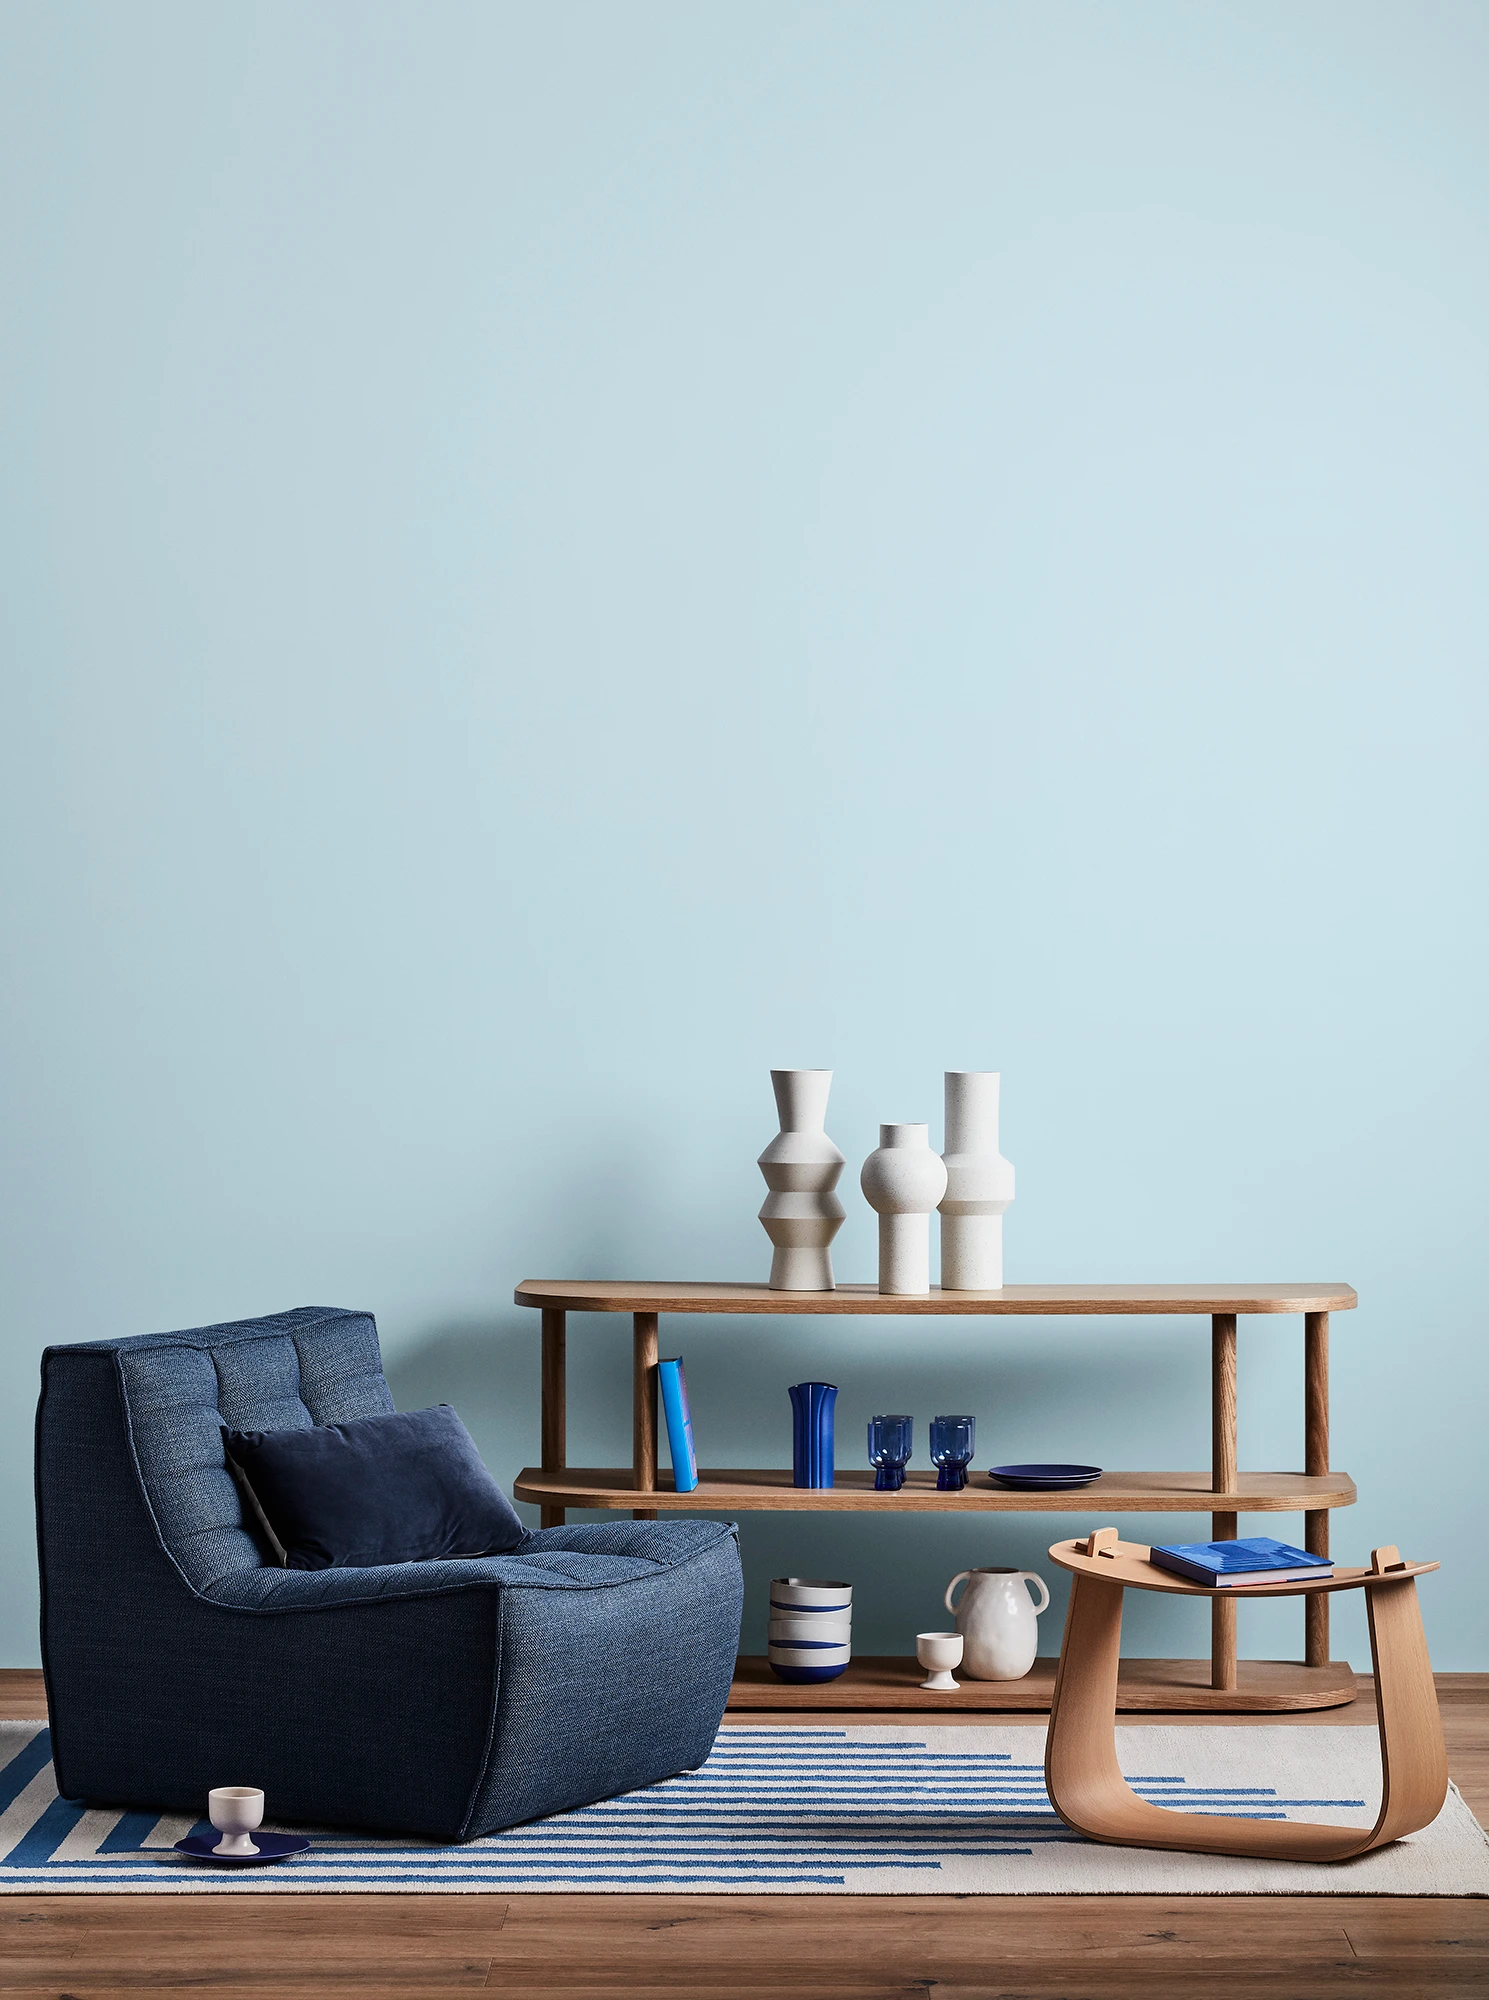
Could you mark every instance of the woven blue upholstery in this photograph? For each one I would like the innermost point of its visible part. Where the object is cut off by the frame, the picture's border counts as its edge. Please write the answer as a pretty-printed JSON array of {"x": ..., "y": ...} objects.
[{"x": 446, "y": 1698}]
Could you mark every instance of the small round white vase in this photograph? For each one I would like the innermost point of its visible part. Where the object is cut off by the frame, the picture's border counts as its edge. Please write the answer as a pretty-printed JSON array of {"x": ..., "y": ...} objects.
[
  {"x": 801, "y": 1214},
  {"x": 979, "y": 1185},
  {"x": 902, "y": 1182}
]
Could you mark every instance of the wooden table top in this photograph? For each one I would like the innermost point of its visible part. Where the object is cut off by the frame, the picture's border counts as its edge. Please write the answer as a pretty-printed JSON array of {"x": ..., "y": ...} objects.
[
  {"x": 598, "y": 1295},
  {"x": 1128, "y": 1564}
]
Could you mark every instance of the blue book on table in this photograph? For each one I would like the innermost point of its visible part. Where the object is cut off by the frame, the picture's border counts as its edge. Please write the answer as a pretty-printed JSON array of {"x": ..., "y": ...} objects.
[
  {"x": 1221, "y": 1564},
  {"x": 679, "y": 1425}
]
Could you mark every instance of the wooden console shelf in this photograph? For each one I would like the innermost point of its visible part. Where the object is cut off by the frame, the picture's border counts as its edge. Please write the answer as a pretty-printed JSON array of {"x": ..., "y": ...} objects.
[
  {"x": 771, "y": 1489},
  {"x": 1165, "y": 1687},
  {"x": 601, "y": 1296},
  {"x": 1224, "y": 1492}
]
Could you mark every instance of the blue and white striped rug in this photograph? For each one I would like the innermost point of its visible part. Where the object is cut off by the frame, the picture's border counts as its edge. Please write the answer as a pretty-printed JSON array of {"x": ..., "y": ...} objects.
[{"x": 947, "y": 1810}]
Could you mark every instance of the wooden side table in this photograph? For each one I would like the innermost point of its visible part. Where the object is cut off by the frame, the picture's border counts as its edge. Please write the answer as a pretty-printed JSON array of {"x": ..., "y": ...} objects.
[
  {"x": 1085, "y": 1782},
  {"x": 1220, "y": 1490}
]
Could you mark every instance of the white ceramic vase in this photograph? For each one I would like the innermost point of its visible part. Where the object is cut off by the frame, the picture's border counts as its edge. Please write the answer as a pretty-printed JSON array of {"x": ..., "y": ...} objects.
[
  {"x": 998, "y": 1623},
  {"x": 979, "y": 1185},
  {"x": 902, "y": 1182},
  {"x": 801, "y": 1214}
]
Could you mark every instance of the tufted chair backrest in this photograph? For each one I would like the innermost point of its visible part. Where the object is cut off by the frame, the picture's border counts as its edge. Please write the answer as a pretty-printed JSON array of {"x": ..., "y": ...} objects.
[{"x": 315, "y": 1365}]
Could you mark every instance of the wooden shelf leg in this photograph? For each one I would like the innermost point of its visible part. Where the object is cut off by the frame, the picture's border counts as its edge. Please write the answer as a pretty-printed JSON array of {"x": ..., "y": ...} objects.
[
  {"x": 1223, "y": 1472},
  {"x": 1316, "y": 1460},
  {"x": 644, "y": 1411},
  {"x": 555, "y": 1405}
]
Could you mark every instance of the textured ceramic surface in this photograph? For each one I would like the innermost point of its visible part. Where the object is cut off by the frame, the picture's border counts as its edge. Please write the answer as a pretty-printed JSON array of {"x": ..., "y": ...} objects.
[
  {"x": 902, "y": 1182},
  {"x": 979, "y": 1184},
  {"x": 998, "y": 1621},
  {"x": 801, "y": 1214}
]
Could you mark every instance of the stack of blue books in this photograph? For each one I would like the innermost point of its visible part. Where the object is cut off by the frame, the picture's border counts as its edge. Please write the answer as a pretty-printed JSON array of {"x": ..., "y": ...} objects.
[{"x": 1227, "y": 1565}]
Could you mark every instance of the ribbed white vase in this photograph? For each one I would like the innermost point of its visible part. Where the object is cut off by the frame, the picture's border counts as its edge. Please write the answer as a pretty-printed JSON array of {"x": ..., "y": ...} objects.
[
  {"x": 801, "y": 1214},
  {"x": 979, "y": 1184},
  {"x": 902, "y": 1182}
]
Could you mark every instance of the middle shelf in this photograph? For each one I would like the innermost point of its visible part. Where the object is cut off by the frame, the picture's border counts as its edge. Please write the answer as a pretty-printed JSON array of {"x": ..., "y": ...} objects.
[{"x": 769, "y": 1488}]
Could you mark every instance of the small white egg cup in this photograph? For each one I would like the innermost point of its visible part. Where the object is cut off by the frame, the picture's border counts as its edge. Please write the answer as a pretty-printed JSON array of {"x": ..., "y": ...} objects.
[
  {"x": 939, "y": 1652},
  {"x": 236, "y": 1811}
]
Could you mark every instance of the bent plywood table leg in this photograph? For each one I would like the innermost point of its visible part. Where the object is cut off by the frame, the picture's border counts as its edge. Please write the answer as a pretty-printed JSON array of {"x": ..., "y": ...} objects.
[
  {"x": 1085, "y": 1781},
  {"x": 1413, "y": 1755}
]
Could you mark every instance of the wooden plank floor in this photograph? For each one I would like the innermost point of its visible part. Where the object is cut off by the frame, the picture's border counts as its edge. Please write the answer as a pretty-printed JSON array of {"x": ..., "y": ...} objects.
[{"x": 786, "y": 1947}]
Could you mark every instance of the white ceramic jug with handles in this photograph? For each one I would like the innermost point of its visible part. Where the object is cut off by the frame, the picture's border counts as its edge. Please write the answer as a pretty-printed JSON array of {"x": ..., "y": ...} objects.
[{"x": 997, "y": 1621}]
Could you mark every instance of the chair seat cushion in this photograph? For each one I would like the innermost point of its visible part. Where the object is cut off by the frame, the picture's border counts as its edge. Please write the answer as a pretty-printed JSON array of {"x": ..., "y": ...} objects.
[
  {"x": 582, "y": 1557},
  {"x": 406, "y": 1487}
]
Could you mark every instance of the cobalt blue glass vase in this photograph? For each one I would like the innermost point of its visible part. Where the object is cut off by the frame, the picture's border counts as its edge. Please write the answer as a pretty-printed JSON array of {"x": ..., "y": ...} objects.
[
  {"x": 890, "y": 1450},
  {"x": 811, "y": 1433}
]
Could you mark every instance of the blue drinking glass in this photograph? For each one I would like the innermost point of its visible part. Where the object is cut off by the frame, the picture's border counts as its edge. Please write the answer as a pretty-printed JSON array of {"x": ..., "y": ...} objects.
[
  {"x": 953, "y": 1440},
  {"x": 890, "y": 1443}
]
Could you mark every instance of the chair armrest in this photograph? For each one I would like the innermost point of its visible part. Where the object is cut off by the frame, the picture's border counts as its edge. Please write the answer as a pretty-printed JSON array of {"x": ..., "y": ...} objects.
[{"x": 279, "y": 1590}]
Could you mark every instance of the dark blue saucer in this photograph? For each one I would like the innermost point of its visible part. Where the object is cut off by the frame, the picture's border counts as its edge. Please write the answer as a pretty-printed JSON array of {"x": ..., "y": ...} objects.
[
  {"x": 271, "y": 1846},
  {"x": 1043, "y": 1478}
]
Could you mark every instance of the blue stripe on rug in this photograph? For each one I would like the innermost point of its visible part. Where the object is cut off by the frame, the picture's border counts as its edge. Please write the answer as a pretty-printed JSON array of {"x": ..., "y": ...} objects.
[{"x": 23, "y": 1767}]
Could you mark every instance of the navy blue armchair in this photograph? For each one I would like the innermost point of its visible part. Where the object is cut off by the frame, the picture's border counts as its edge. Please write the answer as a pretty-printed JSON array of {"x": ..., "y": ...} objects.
[{"x": 444, "y": 1698}]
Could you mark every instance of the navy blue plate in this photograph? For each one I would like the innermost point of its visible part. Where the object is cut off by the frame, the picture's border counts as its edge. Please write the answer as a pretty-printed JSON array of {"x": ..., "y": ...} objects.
[
  {"x": 1043, "y": 1478},
  {"x": 271, "y": 1846}
]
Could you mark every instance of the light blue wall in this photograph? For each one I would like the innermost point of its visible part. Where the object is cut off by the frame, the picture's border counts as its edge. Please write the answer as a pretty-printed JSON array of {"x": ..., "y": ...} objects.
[{"x": 559, "y": 555}]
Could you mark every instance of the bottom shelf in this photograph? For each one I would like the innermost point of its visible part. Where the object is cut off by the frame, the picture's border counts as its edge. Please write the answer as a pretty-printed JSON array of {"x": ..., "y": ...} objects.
[{"x": 1175, "y": 1686}]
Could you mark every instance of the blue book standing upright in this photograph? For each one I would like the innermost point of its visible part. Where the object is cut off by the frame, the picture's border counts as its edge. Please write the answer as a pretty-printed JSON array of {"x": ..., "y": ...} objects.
[{"x": 674, "y": 1389}]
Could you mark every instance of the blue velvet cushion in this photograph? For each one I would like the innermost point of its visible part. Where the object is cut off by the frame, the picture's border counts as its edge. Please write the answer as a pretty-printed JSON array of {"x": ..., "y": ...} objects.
[{"x": 408, "y": 1487}]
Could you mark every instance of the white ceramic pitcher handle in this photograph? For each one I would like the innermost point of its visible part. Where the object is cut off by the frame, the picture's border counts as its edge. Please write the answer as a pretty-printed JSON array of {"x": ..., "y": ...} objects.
[
  {"x": 961, "y": 1577},
  {"x": 1044, "y": 1595}
]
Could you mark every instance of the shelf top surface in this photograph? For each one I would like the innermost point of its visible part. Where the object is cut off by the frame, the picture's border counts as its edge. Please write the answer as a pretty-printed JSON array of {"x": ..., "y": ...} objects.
[
  {"x": 752, "y": 1489},
  {"x": 600, "y": 1295},
  {"x": 1129, "y": 1564}
]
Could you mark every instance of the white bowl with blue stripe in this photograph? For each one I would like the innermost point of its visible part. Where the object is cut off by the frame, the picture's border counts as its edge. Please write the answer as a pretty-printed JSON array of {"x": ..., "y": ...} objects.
[
  {"x": 798, "y": 1594},
  {"x": 784, "y": 1631},
  {"x": 811, "y": 1628},
  {"x": 821, "y": 1661}
]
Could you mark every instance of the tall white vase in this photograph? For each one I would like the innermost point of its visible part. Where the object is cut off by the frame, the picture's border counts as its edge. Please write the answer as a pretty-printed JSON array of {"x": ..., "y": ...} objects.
[
  {"x": 903, "y": 1181},
  {"x": 801, "y": 1214},
  {"x": 979, "y": 1185}
]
